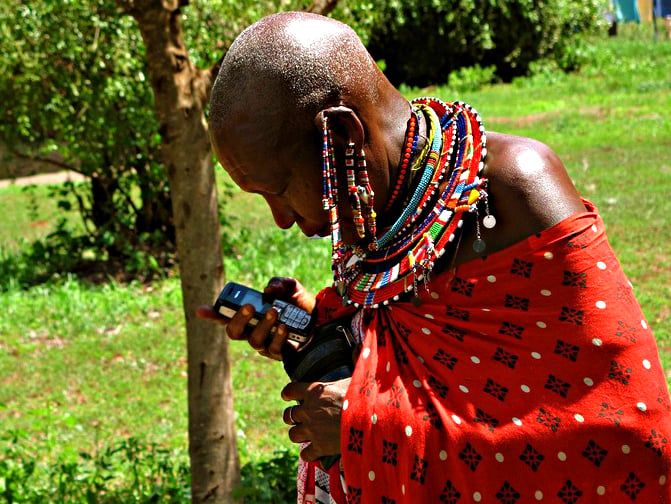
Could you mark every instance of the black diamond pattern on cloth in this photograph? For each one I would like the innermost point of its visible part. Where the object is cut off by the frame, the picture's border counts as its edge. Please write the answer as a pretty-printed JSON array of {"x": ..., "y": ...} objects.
[
  {"x": 531, "y": 457},
  {"x": 381, "y": 337},
  {"x": 510, "y": 329},
  {"x": 656, "y": 442},
  {"x": 395, "y": 396},
  {"x": 368, "y": 383},
  {"x": 548, "y": 419},
  {"x": 470, "y": 457},
  {"x": 353, "y": 495},
  {"x": 594, "y": 453},
  {"x": 438, "y": 387},
  {"x": 571, "y": 315},
  {"x": 389, "y": 452},
  {"x": 521, "y": 268},
  {"x": 626, "y": 331},
  {"x": 419, "y": 469},
  {"x": 399, "y": 353},
  {"x": 355, "y": 440},
  {"x": 557, "y": 385},
  {"x": 505, "y": 358},
  {"x": 457, "y": 313},
  {"x": 496, "y": 390},
  {"x": 610, "y": 413},
  {"x": 572, "y": 279},
  {"x": 632, "y": 486},
  {"x": 454, "y": 332},
  {"x": 579, "y": 241},
  {"x": 464, "y": 287},
  {"x": 516, "y": 302},
  {"x": 569, "y": 493},
  {"x": 387, "y": 500},
  {"x": 450, "y": 494},
  {"x": 507, "y": 494},
  {"x": 619, "y": 373},
  {"x": 445, "y": 359},
  {"x": 403, "y": 330},
  {"x": 567, "y": 350},
  {"x": 485, "y": 419},
  {"x": 432, "y": 416}
]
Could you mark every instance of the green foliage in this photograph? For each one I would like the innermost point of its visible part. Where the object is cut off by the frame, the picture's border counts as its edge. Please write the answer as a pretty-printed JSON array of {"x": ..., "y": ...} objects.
[
  {"x": 129, "y": 472},
  {"x": 422, "y": 42},
  {"x": 272, "y": 481},
  {"x": 210, "y": 26},
  {"x": 82, "y": 368},
  {"x": 78, "y": 87}
]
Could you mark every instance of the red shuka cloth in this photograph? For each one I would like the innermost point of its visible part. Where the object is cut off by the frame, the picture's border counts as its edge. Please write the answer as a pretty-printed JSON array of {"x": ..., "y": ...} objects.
[{"x": 528, "y": 376}]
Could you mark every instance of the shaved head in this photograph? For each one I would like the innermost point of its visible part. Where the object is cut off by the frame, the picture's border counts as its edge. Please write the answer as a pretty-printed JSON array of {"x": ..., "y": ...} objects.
[
  {"x": 280, "y": 81},
  {"x": 297, "y": 60}
]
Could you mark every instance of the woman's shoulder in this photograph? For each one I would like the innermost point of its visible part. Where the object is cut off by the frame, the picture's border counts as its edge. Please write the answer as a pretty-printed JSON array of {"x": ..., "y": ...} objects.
[{"x": 528, "y": 184}]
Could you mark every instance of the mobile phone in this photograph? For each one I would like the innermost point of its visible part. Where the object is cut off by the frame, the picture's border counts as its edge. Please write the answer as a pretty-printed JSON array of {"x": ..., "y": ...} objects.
[{"x": 233, "y": 296}]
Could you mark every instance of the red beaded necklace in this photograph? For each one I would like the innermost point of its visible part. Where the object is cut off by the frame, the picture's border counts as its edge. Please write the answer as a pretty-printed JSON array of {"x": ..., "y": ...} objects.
[
  {"x": 410, "y": 146},
  {"x": 424, "y": 230}
]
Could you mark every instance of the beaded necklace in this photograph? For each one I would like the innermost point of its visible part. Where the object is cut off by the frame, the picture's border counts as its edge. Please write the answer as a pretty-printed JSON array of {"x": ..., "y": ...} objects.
[
  {"x": 406, "y": 158},
  {"x": 405, "y": 252}
]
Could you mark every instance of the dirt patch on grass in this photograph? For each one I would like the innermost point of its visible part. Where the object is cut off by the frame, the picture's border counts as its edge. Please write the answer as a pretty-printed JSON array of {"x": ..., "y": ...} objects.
[
  {"x": 520, "y": 122},
  {"x": 45, "y": 178}
]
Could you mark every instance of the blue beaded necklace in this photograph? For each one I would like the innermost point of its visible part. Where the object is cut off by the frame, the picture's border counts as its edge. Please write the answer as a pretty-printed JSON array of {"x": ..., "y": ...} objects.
[{"x": 406, "y": 251}]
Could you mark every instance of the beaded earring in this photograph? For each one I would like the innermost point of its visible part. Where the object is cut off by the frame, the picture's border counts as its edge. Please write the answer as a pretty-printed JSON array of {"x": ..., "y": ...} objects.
[
  {"x": 328, "y": 167},
  {"x": 353, "y": 190},
  {"x": 330, "y": 188},
  {"x": 366, "y": 194}
]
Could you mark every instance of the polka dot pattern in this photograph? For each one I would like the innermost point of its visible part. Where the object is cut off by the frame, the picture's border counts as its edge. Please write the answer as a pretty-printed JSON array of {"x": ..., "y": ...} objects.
[{"x": 531, "y": 372}]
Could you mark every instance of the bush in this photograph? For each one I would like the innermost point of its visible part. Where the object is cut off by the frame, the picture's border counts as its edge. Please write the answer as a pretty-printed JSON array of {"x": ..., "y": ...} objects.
[
  {"x": 422, "y": 41},
  {"x": 128, "y": 472}
]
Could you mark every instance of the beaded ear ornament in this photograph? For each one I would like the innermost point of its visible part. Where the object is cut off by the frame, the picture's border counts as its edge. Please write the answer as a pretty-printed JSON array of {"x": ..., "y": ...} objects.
[
  {"x": 447, "y": 185},
  {"x": 360, "y": 192}
]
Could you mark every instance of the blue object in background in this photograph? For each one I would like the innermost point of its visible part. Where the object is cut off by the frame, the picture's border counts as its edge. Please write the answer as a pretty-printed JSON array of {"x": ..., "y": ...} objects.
[
  {"x": 662, "y": 8},
  {"x": 626, "y": 10}
]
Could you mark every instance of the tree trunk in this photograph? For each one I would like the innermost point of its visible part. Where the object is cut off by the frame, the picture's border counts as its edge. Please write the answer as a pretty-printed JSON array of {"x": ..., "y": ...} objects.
[
  {"x": 323, "y": 7},
  {"x": 181, "y": 96}
]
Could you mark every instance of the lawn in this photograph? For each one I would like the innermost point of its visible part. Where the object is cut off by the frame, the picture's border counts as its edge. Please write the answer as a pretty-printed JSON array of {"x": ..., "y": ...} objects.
[{"x": 82, "y": 366}]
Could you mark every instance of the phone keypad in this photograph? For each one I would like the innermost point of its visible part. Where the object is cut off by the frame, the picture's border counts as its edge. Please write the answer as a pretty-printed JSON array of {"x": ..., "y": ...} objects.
[{"x": 293, "y": 316}]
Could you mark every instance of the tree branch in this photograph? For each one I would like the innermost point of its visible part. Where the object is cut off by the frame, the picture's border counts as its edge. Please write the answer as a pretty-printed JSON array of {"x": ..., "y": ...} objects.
[{"x": 43, "y": 159}]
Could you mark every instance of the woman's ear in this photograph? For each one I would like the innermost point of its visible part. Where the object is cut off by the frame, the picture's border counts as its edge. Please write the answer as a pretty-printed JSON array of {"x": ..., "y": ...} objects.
[{"x": 344, "y": 124}]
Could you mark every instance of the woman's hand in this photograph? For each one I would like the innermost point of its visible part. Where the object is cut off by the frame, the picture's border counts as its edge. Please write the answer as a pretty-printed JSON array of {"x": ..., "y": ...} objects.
[
  {"x": 317, "y": 418},
  {"x": 266, "y": 337}
]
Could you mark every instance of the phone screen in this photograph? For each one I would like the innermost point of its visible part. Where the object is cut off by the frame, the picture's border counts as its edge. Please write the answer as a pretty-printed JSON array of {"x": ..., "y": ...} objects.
[{"x": 253, "y": 297}]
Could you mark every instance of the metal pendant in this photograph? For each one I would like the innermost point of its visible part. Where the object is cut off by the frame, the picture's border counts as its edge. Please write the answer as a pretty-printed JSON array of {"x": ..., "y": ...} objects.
[
  {"x": 479, "y": 246},
  {"x": 489, "y": 221}
]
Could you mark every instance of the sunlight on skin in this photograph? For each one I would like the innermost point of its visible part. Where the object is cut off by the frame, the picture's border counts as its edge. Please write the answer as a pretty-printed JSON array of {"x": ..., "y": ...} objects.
[{"x": 310, "y": 33}]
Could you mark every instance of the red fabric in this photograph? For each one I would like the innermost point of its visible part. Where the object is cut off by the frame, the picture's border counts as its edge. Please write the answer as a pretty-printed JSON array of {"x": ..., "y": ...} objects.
[{"x": 528, "y": 376}]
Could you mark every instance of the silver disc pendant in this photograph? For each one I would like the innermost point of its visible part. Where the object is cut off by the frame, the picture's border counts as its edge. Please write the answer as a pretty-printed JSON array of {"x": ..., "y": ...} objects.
[
  {"x": 479, "y": 246},
  {"x": 489, "y": 221}
]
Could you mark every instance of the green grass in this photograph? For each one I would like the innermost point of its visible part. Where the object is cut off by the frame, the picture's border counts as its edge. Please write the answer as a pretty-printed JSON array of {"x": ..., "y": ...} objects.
[
  {"x": 29, "y": 214},
  {"x": 82, "y": 367}
]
